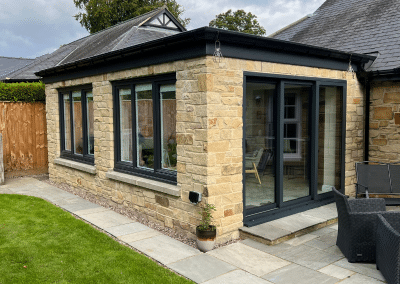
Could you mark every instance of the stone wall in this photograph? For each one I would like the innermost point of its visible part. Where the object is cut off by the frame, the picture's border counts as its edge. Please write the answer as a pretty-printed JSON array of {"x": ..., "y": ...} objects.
[
  {"x": 209, "y": 136},
  {"x": 384, "y": 136}
]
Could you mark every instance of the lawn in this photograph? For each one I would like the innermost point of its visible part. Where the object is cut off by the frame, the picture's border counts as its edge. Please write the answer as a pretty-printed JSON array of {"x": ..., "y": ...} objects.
[{"x": 41, "y": 243}]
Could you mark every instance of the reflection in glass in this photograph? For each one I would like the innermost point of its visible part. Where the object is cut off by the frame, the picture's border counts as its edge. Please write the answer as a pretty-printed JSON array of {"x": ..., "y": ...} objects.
[
  {"x": 67, "y": 122},
  {"x": 329, "y": 138},
  {"x": 77, "y": 120},
  {"x": 296, "y": 142},
  {"x": 125, "y": 124},
  {"x": 259, "y": 145},
  {"x": 90, "y": 122},
  {"x": 168, "y": 127},
  {"x": 144, "y": 126}
]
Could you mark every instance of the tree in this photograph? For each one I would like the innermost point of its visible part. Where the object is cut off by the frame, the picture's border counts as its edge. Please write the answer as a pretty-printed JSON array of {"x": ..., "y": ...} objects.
[
  {"x": 238, "y": 21},
  {"x": 101, "y": 14}
]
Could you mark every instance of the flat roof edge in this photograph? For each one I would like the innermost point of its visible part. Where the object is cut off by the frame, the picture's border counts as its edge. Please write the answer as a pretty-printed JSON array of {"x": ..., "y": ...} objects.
[{"x": 207, "y": 34}]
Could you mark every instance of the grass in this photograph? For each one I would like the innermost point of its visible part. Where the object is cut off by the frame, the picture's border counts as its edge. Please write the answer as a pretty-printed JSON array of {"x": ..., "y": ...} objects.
[{"x": 40, "y": 243}]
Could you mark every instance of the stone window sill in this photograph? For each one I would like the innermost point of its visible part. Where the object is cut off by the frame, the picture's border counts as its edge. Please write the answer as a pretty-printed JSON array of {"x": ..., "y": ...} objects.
[
  {"x": 75, "y": 165},
  {"x": 146, "y": 183}
]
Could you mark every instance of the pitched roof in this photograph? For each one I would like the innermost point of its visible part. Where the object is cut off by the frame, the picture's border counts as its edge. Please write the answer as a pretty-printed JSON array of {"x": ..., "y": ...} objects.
[
  {"x": 10, "y": 64},
  {"x": 128, "y": 33},
  {"x": 361, "y": 26}
]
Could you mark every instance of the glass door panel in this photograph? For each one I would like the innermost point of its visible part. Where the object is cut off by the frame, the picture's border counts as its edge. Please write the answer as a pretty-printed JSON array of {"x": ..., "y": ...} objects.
[
  {"x": 296, "y": 165},
  {"x": 329, "y": 138},
  {"x": 259, "y": 145}
]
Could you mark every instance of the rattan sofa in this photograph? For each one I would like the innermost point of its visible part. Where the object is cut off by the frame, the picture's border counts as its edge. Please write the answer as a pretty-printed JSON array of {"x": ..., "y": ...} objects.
[
  {"x": 357, "y": 226},
  {"x": 388, "y": 246}
]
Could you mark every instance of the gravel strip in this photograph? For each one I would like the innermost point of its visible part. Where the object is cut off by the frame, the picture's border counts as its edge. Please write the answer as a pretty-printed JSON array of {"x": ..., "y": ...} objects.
[{"x": 128, "y": 212}]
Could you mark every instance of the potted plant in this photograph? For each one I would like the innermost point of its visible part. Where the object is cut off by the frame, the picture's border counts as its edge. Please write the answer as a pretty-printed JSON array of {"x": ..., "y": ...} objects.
[{"x": 205, "y": 232}]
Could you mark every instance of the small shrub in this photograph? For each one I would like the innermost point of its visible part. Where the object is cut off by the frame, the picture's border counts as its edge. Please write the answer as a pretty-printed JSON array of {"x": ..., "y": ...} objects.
[{"x": 22, "y": 92}]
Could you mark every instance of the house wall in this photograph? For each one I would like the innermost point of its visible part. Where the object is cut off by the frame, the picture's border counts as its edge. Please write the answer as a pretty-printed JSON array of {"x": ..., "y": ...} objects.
[
  {"x": 209, "y": 136},
  {"x": 384, "y": 135}
]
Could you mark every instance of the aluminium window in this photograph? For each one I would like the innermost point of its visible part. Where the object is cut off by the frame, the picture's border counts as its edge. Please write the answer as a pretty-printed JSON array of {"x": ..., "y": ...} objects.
[
  {"x": 145, "y": 127},
  {"x": 77, "y": 124}
]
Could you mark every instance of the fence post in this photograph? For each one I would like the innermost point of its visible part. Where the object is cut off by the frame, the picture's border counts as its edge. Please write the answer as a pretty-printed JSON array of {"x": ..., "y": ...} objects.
[{"x": 1, "y": 160}]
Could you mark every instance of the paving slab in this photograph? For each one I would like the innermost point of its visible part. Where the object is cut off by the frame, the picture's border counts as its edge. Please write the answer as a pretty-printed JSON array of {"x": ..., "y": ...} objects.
[
  {"x": 266, "y": 231},
  {"x": 78, "y": 205},
  {"x": 249, "y": 259},
  {"x": 290, "y": 275},
  {"x": 300, "y": 240},
  {"x": 316, "y": 243},
  {"x": 330, "y": 238},
  {"x": 336, "y": 271},
  {"x": 267, "y": 248},
  {"x": 361, "y": 279},
  {"x": 367, "y": 269},
  {"x": 309, "y": 257},
  {"x": 201, "y": 268},
  {"x": 323, "y": 231},
  {"x": 106, "y": 219},
  {"x": 91, "y": 211},
  {"x": 334, "y": 227},
  {"x": 323, "y": 212},
  {"x": 165, "y": 249},
  {"x": 148, "y": 233},
  {"x": 126, "y": 229},
  {"x": 296, "y": 222},
  {"x": 237, "y": 277},
  {"x": 334, "y": 250}
]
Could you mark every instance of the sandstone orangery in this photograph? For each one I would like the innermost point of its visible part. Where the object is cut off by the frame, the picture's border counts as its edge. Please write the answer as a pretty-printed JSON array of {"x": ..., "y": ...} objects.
[{"x": 145, "y": 112}]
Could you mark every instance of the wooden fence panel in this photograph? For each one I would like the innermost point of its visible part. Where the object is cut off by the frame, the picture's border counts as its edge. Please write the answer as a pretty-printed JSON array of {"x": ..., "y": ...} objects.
[{"x": 24, "y": 130}]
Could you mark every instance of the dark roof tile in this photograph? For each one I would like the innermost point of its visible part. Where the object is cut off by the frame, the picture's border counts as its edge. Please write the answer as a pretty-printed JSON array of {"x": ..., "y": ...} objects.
[
  {"x": 359, "y": 26},
  {"x": 125, "y": 34}
]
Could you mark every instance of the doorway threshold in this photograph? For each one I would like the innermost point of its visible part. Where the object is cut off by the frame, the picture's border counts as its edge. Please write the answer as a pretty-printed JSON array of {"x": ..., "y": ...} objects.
[{"x": 286, "y": 228}]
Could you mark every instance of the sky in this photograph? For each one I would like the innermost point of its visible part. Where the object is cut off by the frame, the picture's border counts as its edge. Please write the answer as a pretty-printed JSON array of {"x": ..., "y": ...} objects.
[{"x": 30, "y": 28}]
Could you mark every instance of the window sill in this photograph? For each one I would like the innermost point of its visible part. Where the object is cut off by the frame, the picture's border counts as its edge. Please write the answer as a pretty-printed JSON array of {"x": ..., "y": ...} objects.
[
  {"x": 146, "y": 183},
  {"x": 75, "y": 165}
]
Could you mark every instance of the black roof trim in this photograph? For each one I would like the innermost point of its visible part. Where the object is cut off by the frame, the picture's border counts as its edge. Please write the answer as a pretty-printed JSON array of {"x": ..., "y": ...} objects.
[{"x": 207, "y": 34}]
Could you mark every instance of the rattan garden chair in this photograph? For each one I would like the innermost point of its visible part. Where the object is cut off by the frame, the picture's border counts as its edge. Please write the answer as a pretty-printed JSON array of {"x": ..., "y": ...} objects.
[
  {"x": 357, "y": 225},
  {"x": 388, "y": 246}
]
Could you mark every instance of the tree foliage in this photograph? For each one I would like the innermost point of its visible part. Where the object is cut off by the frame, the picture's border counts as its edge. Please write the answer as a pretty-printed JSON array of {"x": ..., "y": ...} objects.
[
  {"x": 98, "y": 15},
  {"x": 239, "y": 21}
]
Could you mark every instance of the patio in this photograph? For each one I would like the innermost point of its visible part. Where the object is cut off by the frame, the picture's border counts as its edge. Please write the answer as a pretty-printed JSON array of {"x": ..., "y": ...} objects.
[{"x": 310, "y": 258}]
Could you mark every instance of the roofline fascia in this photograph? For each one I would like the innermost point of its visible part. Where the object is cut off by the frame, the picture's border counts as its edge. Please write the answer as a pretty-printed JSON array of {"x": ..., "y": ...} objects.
[
  {"x": 390, "y": 74},
  {"x": 208, "y": 33}
]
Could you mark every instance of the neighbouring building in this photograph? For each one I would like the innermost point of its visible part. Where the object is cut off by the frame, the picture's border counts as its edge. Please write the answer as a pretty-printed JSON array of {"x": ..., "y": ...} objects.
[
  {"x": 369, "y": 27},
  {"x": 142, "y": 113},
  {"x": 9, "y": 65}
]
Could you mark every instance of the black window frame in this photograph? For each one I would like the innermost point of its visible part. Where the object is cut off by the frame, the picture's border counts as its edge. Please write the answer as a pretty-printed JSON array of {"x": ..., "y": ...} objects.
[
  {"x": 85, "y": 158},
  {"x": 261, "y": 214},
  {"x": 157, "y": 173}
]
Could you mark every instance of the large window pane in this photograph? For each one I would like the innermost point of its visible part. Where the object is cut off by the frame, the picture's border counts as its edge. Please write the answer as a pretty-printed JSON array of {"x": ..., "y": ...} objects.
[
  {"x": 77, "y": 120},
  {"x": 168, "y": 127},
  {"x": 90, "y": 122},
  {"x": 67, "y": 122},
  {"x": 296, "y": 142},
  {"x": 259, "y": 145},
  {"x": 125, "y": 124},
  {"x": 329, "y": 138},
  {"x": 144, "y": 126}
]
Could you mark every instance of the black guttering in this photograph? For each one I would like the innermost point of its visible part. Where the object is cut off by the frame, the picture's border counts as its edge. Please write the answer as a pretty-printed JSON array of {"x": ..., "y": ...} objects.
[{"x": 190, "y": 44}]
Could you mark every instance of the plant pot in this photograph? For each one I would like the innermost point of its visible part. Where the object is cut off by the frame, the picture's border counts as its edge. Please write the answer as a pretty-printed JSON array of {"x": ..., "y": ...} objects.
[{"x": 206, "y": 239}]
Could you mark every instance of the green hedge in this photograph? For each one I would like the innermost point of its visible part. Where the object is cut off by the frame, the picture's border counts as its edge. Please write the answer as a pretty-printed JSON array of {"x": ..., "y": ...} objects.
[{"x": 22, "y": 92}]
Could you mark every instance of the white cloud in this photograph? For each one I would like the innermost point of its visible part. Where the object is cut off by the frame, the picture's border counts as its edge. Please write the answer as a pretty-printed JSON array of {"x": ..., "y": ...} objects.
[{"x": 8, "y": 39}]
